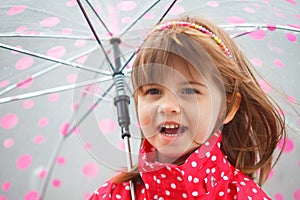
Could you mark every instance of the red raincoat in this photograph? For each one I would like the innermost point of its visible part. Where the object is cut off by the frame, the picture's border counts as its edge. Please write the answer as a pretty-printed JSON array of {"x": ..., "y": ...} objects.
[{"x": 206, "y": 174}]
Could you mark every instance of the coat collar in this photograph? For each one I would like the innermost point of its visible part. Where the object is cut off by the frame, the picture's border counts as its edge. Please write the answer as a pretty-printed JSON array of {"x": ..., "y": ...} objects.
[{"x": 200, "y": 173}]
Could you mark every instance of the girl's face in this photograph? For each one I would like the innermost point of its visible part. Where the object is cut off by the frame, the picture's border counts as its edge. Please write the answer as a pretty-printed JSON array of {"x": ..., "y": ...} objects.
[{"x": 175, "y": 114}]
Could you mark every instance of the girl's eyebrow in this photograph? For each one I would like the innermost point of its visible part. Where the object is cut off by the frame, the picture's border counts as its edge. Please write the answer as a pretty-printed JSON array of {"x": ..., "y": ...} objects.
[{"x": 193, "y": 83}]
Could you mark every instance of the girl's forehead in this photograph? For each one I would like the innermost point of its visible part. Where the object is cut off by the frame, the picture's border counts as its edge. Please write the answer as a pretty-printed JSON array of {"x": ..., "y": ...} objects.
[{"x": 181, "y": 69}]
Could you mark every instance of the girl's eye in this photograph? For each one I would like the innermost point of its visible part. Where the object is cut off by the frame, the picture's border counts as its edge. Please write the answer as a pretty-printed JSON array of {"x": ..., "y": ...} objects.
[
  {"x": 153, "y": 91},
  {"x": 190, "y": 91}
]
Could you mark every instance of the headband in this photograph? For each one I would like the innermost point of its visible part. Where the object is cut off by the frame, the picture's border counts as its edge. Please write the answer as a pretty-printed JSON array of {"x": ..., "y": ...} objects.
[{"x": 200, "y": 28}]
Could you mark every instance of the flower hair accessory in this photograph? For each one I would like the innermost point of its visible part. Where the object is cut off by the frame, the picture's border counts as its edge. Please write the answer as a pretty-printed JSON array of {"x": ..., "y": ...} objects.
[{"x": 198, "y": 27}]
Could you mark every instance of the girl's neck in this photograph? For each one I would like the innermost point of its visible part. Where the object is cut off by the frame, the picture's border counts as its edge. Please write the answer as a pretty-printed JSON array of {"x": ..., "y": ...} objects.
[{"x": 176, "y": 161}]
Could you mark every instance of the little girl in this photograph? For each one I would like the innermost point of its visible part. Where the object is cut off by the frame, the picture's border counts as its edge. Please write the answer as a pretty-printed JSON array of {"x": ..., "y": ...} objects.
[{"x": 208, "y": 128}]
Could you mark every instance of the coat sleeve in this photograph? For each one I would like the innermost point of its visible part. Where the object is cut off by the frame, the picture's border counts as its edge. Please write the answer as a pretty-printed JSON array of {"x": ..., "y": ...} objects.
[
  {"x": 112, "y": 191},
  {"x": 104, "y": 192}
]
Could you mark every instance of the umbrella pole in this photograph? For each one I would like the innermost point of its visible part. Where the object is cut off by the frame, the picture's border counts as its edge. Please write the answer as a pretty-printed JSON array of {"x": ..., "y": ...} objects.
[{"x": 122, "y": 101}]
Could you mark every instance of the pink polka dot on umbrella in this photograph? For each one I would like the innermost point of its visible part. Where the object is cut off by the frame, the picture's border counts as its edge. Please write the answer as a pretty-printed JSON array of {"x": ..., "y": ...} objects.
[
  {"x": 64, "y": 128},
  {"x": 4, "y": 83},
  {"x": 8, "y": 143},
  {"x": 74, "y": 106},
  {"x": 278, "y": 196},
  {"x": 176, "y": 10},
  {"x": 24, "y": 161},
  {"x": 87, "y": 196},
  {"x": 271, "y": 27},
  {"x": 278, "y": 63},
  {"x": 14, "y": 10},
  {"x": 56, "y": 183},
  {"x": 81, "y": 59},
  {"x": 235, "y": 20},
  {"x": 71, "y": 3},
  {"x": 88, "y": 146},
  {"x": 279, "y": 14},
  {"x": 6, "y": 186},
  {"x": 126, "y": 5},
  {"x": 61, "y": 160},
  {"x": 27, "y": 104},
  {"x": 32, "y": 195},
  {"x": 50, "y": 22},
  {"x": 9, "y": 121},
  {"x": 107, "y": 126},
  {"x": 121, "y": 145},
  {"x": 56, "y": 52},
  {"x": 291, "y": 37},
  {"x": 79, "y": 43},
  {"x": 126, "y": 20},
  {"x": 21, "y": 29},
  {"x": 249, "y": 10},
  {"x": 289, "y": 145},
  {"x": 291, "y": 1},
  {"x": 148, "y": 16},
  {"x": 2, "y": 197},
  {"x": 271, "y": 174},
  {"x": 265, "y": 86},
  {"x": 90, "y": 169},
  {"x": 256, "y": 62},
  {"x": 43, "y": 174},
  {"x": 280, "y": 111},
  {"x": 38, "y": 139},
  {"x": 297, "y": 194},
  {"x": 72, "y": 78},
  {"x": 15, "y": 52},
  {"x": 43, "y": 122},
  {"x": 257, "y": 35},
  {"x": 294, "y": 26},
  {"x": 213, "y": 4},
  {"x": 25, "y": 83},
  {"x": 24, "y": 63},
  {"x": 66, "y": 31},
  {"x": 53, "y": 97},
  {"x": 291, "y": 99}
]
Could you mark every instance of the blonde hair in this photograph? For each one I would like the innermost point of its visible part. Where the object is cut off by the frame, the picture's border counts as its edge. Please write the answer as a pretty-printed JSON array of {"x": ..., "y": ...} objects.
[{"x": 250, "y": 139}]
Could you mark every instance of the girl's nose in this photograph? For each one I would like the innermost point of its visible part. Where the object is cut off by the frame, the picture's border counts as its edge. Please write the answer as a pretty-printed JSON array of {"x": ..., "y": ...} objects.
[{"x": 169, "y": 104}]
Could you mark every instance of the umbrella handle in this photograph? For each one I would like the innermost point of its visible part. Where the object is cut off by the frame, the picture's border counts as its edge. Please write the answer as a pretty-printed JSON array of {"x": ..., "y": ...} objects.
[
  {"x": 122, "y": 101},
  {"x": 129, "y": 164}
]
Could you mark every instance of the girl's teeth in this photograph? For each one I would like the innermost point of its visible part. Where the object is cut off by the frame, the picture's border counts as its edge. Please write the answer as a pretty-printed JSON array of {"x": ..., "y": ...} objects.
[{"x": 171, "y": 126}]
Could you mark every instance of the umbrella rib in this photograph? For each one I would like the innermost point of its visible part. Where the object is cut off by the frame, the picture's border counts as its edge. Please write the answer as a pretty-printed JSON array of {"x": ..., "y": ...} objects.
[
  {"x": 133, "y": 54},
  {"x": 52, "y": 164},
  {"x": 98, "y": 16},
  {"x": 72, "y": 37},
  {"x": 60, "y": 61},
  {"x": 257, "y": 27},
  {"x": 138, "y": 18},
  {"x": 38, "y": 74},
  {"x": 167, "y": 11},
  {"x": 52, "y": 90},
  {"x": 95, "y": 34},
  {"x": 89, "y": 111}
]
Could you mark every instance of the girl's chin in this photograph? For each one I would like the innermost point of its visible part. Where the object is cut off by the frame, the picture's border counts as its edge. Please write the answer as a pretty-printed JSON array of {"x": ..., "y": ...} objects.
[{"x": 170, "y": 157}]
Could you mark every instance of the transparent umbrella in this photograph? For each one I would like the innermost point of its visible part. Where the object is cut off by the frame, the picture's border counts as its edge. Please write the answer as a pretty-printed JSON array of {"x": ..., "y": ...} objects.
[{"x": 59, "y": 122}]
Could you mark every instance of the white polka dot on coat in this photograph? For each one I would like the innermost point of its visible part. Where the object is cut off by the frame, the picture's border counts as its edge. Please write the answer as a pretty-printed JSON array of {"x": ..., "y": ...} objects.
[{"x": 194, "y": 164}]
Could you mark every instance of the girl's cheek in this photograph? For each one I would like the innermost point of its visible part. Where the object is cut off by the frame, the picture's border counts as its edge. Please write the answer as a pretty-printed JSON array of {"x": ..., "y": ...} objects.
[{"x": 145, "y": 121}]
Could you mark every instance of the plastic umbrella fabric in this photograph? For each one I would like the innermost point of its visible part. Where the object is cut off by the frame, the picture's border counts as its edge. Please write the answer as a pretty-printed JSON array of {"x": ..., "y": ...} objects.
[{"x": 59, "y": 132}]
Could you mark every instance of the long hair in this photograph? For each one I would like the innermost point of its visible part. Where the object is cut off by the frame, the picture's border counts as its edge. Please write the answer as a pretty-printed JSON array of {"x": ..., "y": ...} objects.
[{"x": 251, "y": 137}]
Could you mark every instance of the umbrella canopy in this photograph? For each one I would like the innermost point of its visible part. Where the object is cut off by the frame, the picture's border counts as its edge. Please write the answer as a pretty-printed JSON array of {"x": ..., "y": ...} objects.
[{"x": 59, "y": 130}]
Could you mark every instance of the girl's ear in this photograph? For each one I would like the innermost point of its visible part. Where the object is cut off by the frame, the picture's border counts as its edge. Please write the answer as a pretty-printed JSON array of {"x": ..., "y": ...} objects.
[{"x": 234, "y": 109}]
